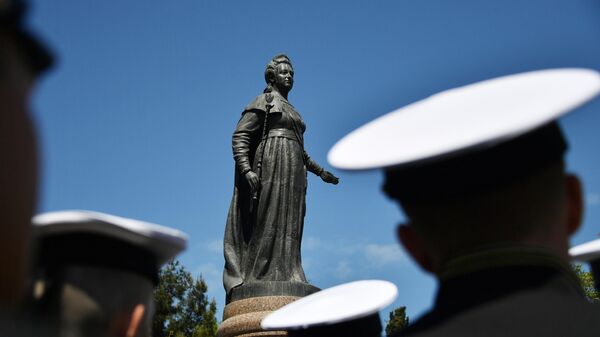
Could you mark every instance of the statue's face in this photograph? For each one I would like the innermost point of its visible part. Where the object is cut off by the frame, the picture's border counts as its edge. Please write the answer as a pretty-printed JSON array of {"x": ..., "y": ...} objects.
[{"x": 284, "y": 77}]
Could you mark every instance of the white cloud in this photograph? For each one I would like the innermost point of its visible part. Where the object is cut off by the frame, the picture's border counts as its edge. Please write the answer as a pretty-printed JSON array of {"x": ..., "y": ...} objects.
[
  {"x": 592, "y": 199},
  {"x": 311, "y": 243},
  {"x": 343, "y": 270},
  {"x": 350, "y": 259},
  {"x": 211, "y": 274},
  {"x": 215, "y": 246},
  {"x": 381, "y": 255},
  {"x": 307, "y": 263},
  {"x": 317, "y": 248}
]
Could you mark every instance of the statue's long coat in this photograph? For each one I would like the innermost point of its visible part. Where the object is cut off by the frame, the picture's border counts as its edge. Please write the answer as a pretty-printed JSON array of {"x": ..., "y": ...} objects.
[{"x": 263, "y": 236}]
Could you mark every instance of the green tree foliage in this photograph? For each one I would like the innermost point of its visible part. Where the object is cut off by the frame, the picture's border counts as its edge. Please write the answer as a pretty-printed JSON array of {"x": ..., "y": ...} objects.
[
  {"x": 182, "y": 307},
  {"x": 587, "y": 282},
  {"x": 398, "y": 320}
]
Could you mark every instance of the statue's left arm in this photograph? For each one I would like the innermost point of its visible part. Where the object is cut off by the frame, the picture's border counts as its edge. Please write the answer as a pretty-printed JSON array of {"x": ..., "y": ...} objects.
[{"x": 315, "y": 168}]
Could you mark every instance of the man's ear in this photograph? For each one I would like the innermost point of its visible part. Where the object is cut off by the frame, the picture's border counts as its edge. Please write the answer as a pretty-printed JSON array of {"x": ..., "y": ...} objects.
[
  {"x": 575, "y": 204},
  {"x": 128, "y": 324},
  {"x": 137, "y": 316},
  {"x": 415, "y": 247}
]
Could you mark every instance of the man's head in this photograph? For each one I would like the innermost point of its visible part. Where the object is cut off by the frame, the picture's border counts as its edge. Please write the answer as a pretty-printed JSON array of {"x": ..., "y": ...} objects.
[
  {"x": 22, "y": 59},
  {"x": 95, "y": 301},
  {"x": 542, "y": 209},
  {"x": 96, "y": 273},
  {"x": 479, "y": 166},
  {"x": 516, "y": 192}
]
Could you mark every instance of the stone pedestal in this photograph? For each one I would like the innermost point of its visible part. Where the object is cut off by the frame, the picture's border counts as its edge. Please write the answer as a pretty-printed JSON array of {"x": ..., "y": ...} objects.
[
  {"x": 249, "y": 303},
  {"x": 242, "y": 318}
]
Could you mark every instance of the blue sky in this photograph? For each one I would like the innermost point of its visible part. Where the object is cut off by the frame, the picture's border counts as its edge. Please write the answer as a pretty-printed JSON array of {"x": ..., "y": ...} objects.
[{"x": 136, "y": 119}]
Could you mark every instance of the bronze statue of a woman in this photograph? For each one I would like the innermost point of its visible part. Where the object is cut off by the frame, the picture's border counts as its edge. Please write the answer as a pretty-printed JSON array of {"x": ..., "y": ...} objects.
[{"x": 266, "y": 216}]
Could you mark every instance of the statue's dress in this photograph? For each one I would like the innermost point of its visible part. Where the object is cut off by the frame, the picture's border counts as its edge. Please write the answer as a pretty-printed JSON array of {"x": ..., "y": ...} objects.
[{"x": 263, "y": 235}]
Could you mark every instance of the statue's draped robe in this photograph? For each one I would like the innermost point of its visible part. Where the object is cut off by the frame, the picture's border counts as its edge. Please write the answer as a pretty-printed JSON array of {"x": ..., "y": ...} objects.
[{"x": 263, "y": 236}]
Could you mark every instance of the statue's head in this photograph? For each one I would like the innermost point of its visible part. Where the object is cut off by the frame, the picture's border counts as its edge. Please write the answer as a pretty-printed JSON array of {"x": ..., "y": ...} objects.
[{"x": 279, "y": 74}]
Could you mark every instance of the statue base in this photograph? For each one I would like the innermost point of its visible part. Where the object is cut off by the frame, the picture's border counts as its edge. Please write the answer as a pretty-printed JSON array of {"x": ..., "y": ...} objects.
[
  {"x": 242, "y": 318},
  {"x": 270, "y": 288},
  {"x": 250, "y": 302}
]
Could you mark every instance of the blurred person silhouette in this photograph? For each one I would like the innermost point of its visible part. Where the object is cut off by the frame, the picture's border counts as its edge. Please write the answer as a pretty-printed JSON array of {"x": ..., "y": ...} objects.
[
  {"x": 95, "y": 273},
  {"x": 480, "y": 174},
  {"x": 22, "y": 60}
]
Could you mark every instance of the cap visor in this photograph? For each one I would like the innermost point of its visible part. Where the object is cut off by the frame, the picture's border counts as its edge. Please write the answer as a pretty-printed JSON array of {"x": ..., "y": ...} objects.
[{"x": 465, "y": 119}]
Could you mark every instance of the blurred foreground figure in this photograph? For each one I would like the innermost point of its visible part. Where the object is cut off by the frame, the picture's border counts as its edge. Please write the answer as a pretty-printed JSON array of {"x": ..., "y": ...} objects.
[
  {"x": 349, "y": 310},
  {"x": 22, "y": 60},
  {"x": 479, "y": 173},
  {"x": 96, "y": 272}
]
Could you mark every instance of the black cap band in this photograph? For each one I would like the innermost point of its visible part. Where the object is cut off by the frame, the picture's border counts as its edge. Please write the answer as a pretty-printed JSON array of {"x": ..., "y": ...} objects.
[
  {"x": 369, "y": 326},
  {"x": 57, "y": 251},
  {"x": 463, "y": 175}
]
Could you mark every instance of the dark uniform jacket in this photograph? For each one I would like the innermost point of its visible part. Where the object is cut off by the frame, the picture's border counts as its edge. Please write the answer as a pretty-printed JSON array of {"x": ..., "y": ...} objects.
[{"x": 509, "y": 292}]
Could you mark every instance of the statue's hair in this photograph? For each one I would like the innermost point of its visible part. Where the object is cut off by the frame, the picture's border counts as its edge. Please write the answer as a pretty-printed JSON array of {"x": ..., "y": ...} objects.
[{"x": 272, "y": 68}]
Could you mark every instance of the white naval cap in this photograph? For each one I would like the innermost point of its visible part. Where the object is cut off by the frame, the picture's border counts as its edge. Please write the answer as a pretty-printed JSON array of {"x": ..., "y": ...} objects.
[
  {"x": 469, "y": 139},
  {"x": 467, "y": 118},
  {"x": 94, "y": 238},
  {"x": 589, "y": 252},
  {"x": 350, "y": 309},
  {"x": 586, "y": 252}
]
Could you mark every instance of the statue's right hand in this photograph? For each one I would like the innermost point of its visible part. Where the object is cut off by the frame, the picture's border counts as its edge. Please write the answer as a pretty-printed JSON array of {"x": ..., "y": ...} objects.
[{"x": 252, "y": 179}]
